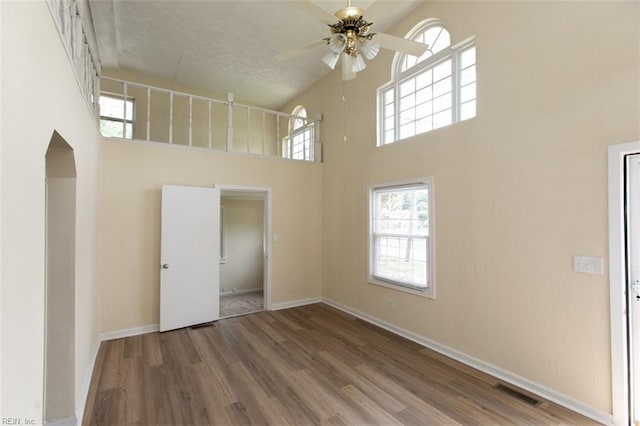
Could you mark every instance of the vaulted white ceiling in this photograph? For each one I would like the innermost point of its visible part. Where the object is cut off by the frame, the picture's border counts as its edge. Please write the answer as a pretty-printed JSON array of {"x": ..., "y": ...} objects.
[{"x": 224, "y": 45}]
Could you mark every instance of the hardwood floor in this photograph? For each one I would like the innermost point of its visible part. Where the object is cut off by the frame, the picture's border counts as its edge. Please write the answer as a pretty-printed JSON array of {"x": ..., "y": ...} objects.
[{"x": 307, "y": 365}]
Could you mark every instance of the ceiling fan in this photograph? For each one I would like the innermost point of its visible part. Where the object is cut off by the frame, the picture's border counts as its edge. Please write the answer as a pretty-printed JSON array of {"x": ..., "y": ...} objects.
[{"x": 350, "y": 38}]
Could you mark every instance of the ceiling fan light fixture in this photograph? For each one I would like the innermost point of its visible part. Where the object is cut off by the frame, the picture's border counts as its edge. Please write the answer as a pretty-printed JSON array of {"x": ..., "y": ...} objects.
[
  {"x": 337, "y": 43},
  {"x": 331, "y": 59},
  {"x": 358, "y": 63},
  {"x": 369, "y": 49}
]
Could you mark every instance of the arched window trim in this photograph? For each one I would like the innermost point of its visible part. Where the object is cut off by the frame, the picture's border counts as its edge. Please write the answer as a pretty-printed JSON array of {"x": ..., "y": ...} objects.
[
  {"x": 453, "y": 52},
  {"x": 399, "y": 57},
  {"x": 299, "y": 142}
]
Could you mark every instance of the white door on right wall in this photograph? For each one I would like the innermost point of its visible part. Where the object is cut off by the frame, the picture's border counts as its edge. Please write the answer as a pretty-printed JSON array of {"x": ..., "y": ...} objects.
[{"x": 633, "y": 285}]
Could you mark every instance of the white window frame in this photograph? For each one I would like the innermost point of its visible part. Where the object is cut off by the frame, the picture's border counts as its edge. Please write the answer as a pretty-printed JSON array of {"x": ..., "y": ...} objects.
[
  {"x": 429, "y": 290},
  {"x": 305, "y": 130},
  {"x": 122, "y": 120},
  {"x": 452, "y": 52}
]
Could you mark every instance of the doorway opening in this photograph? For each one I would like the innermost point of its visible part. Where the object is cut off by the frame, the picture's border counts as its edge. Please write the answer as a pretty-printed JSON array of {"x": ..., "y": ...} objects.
[
  {"x": 60, "y": 258},
  {"x": 243, "y": 250}
]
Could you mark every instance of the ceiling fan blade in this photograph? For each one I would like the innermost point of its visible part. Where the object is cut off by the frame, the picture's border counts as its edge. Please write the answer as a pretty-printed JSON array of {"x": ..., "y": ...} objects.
[
  {"x": 347, "y": 67},
  {"x": 296, "y": 51},
  {"x": 402, "y": 45},
  {"x": 312, "y": 9},
  {"x": 375, "y": 11}
]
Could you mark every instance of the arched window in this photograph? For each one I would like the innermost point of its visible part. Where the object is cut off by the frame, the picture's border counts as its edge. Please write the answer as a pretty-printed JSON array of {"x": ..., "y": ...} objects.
[
  {"x": 298, "y": 144},
  {"x": 430, "y": 91}
]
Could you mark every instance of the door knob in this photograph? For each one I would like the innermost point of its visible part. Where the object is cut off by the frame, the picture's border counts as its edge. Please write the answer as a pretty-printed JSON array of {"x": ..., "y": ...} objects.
[
  {"x": 636, "y": 288},
  {"x": 165, "y": 266}
]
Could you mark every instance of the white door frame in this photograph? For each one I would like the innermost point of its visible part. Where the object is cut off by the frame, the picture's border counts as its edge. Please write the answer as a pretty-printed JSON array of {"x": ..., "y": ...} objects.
[
  {"x": 267, "y": 232},
  {"x": 618, "y": 281}
]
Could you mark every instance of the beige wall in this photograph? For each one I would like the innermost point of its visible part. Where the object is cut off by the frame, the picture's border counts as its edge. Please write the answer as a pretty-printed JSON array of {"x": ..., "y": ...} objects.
[
  {"x": 519, "y": 190},
  {"x": 132, "y": 175},
  {"x": 40, "y": 95},
  {"x": 244, "y": 245}
]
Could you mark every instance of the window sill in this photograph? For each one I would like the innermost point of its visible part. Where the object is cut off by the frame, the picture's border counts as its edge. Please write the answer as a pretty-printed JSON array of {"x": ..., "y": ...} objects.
[{"x": 427, "y": 292}]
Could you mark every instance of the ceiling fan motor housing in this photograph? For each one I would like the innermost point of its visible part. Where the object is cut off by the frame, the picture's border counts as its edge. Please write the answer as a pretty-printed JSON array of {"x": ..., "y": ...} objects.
[{"x": 353, "y": 27}]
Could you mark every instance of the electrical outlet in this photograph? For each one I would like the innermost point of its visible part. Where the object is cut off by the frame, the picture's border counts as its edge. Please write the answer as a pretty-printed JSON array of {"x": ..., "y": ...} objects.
[
  {"x": 588, "y": 265},
  {"x": 391, "y": 305}
]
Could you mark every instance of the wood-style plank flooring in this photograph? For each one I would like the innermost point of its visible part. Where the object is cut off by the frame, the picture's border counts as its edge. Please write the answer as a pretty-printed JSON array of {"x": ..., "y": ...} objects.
[{"x": 301, "y": 366}]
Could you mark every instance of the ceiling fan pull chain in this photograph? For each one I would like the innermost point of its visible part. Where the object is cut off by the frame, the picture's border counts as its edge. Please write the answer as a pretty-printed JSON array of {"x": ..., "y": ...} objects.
[{"x": 344, "y": 113}]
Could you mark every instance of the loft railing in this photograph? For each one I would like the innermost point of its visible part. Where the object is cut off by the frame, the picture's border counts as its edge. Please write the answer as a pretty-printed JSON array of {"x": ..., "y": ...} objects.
[
  {"x": 140, "y": 112},
  {"x": 75, "y": 38}
]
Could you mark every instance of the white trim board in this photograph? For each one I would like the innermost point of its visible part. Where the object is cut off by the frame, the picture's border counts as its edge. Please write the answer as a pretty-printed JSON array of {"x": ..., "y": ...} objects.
[
  {"x": 295, "y": 303},
  {"x": 86, "y": 383},
  {"x": 128, "y": 332},
  {"x": 69, "y": 421},
  {"x": 493, "y": 370},
  {"x": 245, "y": 291}
]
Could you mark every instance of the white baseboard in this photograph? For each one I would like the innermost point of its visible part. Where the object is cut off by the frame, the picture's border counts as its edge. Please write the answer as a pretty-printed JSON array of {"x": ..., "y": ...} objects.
[
  {"x": 128, "y": 332},
  {"x": 245, "y": 291},
  {"x": 521, "y": 382},
  {"x": 295, "y": 303},
  {"x": 86, "y": 383},
  {"x": 69, "y": 421}
]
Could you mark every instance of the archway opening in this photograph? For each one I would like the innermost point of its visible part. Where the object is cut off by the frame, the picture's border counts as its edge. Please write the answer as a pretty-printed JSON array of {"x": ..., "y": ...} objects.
[{"x": 60, "y": 252}]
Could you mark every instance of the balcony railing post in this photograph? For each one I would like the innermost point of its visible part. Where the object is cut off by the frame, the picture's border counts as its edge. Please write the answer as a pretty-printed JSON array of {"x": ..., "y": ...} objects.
[
  {"x": 317, "y": 143},
  {"x": 230, "y": 122},
  {"x": 209, "y": 125},
  {"x": 190, "y": 120},
  {"x": 148, "y": 114},
  {"x": 170, "y": 117}
]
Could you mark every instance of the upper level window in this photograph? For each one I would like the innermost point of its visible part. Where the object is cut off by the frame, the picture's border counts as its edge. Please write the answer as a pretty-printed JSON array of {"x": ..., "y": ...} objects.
[
  {"x": 430, "y": 91},
  {"x": 116, "y": 116},
  {"x": 298, "y": 144}
]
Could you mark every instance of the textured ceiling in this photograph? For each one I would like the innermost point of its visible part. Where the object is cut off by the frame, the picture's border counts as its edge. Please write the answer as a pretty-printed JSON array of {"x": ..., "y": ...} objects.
[{"x": 225, "y": 46}]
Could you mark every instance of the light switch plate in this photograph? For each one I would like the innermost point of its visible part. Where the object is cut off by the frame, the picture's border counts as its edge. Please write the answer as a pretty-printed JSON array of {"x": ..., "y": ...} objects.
[{"x": 588, "y": 265}]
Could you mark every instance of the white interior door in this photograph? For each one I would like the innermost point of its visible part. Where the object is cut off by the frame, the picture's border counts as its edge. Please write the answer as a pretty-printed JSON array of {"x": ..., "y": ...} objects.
[
  {"x": 189, "y": 258},
  {"x": 633, "y": 249}
]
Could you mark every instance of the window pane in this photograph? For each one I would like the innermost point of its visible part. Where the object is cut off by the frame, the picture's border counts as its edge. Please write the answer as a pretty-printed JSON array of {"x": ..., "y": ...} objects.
[
  {"x": 468, "y": 57},
  {"x": 441, "y": 42},
  {"x": 389, "y": 123},
  {"x": 442, "y": 87},
  {"x": 442, "y": 70},
  {"x": 407, "y": 116},
  {"x": 111, "y": 129},
  {"x": 407, "y": 87},
  {"x": 424, "y": 110},
  {"x": 111, "y": 107},
  {"x": 389, "y": 110},
  {"x": 407, "y": 102},
  {"x": 468, "y": 92},
  {"x": 442, "y": 103},
  {"x": 424, "y": 125},
  {"x": 424, "y": 79},
  {"x": 468, "y": 110},
  {"x": 388, "y": 136},
  {"x": 468, "y": 75},
  {"x": 442, "y": 119},
  {"x": 407, "y": 130},
  {"x": 424, "y": 95},
  {"x": 388, "y": 96}
]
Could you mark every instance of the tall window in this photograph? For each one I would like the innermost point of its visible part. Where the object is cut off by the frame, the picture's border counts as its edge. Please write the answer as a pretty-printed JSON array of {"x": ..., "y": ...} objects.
[
  {"x": 298, "y": 144},
  {"x": 116, "y": 116},
  {"x": 430, "y": 91},
  {"x": 401, "y": 236}
]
